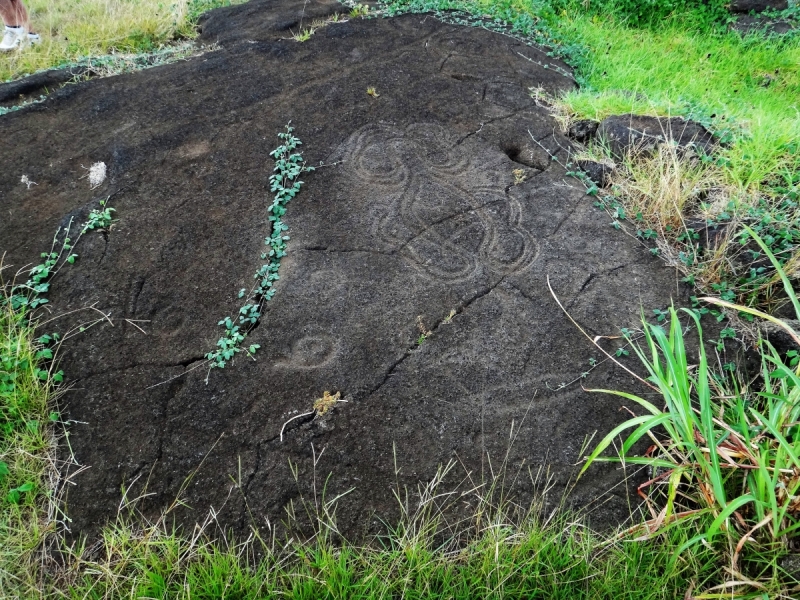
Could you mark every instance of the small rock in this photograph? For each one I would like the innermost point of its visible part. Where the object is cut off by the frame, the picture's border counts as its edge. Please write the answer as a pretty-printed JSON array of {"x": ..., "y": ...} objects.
[
  {"x": 745, "y": 24},
  {"x": 707, "y": 237},
  {"x": 791, "y": 564},
  {"x": 582, "y": 131},
  {"x": 599, "y": 172},
  {"x": 746, "y": 6},
  {"x": 26, "y": 180},
  {"x": 97, "y": 174},
  {"x": 782, "y": 342},
  {"x": 626, "y": 133}
]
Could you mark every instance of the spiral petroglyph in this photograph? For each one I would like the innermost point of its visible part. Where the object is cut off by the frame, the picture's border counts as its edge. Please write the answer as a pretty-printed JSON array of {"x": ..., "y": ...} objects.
[
  {"x": 445, "y": 211},
  {"x": 309, "y": 352}
]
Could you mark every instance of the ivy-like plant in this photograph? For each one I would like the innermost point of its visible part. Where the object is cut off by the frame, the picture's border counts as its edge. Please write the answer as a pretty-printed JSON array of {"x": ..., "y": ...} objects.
[
  {"x": 284, "y": 184},
  {"x": 32, "y": 293}
]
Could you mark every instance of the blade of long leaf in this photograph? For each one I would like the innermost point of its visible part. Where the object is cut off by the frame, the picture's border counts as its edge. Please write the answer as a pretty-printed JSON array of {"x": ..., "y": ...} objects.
[
  {"x": 734, "y": 505},
  {"x": 777, "y": 434},
  {"x": 606, "y": 441},
  {"x": 707, "y": 413},
  {"x": 674, "y": 481},
  {"x": 640, "y": 401},
  {"x": 715, "y": 526},
  {"x": 781, "y": 368},
  {"x": 787, "y": 285},
  {"x": 638, "y": 460},
  {"x": 642, "y": 429},
  {"x": 676, "y": 386},
  {"x": 756, "y": 313},
  {"x": 674, "y": 359}
]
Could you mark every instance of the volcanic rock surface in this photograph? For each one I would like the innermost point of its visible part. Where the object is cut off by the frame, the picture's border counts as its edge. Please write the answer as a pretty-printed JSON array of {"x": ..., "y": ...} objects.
[
  {"x": 641, "y": 133},
  {"x": 417, "y": 213}
]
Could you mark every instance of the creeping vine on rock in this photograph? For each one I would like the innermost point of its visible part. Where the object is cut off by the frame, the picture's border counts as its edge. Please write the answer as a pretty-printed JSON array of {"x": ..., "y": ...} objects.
[
  {"x": 32, "y": 293},
  {"x": 285, "y": 185}
]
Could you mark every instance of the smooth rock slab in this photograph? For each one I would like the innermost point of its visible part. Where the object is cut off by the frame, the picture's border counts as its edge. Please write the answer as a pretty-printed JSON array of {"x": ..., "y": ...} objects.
[{"x": 416, "y": 215}]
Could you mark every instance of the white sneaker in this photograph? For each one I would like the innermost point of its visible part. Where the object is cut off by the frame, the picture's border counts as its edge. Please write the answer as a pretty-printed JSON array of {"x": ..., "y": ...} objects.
[
  {"x": 34, "y": 38},
  {"x": 14, "y": 38}
]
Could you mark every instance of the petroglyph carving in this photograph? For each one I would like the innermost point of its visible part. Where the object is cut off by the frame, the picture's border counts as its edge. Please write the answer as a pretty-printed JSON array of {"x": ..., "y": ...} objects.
[
  {"x": 309, "y": 352},
  {"x": 437, "y": 204}
]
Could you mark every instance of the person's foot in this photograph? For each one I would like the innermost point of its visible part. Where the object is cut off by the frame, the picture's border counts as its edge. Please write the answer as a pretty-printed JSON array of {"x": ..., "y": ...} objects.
[
  {"x": 14, "y": 38},
  {"x": 34, "y": 38}
]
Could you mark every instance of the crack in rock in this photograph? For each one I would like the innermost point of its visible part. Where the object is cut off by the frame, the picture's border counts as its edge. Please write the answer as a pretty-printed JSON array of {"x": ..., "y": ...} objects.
[{"x": 459, "y": 310}]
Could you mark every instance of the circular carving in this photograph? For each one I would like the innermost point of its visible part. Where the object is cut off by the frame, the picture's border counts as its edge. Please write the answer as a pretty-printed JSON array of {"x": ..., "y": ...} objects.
[{"x": 437, "y": 204}]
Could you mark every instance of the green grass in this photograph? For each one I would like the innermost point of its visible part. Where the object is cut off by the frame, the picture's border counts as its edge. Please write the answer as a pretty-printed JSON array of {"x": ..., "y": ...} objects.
[
  {"x": 746, "y": 90},
  {"x": 73, "y": 31},
  {"x": 26, "y": 446},
  {"x": 557, "y": 560},
  {"x": 750, "y": 86}
]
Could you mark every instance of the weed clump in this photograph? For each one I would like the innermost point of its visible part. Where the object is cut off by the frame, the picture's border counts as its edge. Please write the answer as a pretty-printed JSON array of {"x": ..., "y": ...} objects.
[{"x": 284, "y": 183}]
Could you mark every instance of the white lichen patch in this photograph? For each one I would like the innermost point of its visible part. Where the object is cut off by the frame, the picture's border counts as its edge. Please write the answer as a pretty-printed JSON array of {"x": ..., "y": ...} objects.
[
  {"x": 24, "y": 179},
  {"x": 97, "y": 174}
]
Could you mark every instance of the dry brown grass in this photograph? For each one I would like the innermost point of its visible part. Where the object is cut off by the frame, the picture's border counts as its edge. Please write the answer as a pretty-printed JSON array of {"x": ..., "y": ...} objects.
[
  {"x": 680, "y": 197},
  {"x": 691, "y": 209},
  {"x": 664, "y": 188}
]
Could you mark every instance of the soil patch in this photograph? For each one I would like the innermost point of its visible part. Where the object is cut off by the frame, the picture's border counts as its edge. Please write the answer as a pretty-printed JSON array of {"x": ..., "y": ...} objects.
[{"x": 419, "y": 214}]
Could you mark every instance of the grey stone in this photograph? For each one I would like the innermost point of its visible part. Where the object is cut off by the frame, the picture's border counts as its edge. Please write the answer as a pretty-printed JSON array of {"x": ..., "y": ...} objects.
[
  {"x": 745, "y": 6},
  {"x": 598, "y": 172},
  {"x": 639, "y": 133},
  {"x": 583, "y": 130},
  {"x": 746, "y": 24}
]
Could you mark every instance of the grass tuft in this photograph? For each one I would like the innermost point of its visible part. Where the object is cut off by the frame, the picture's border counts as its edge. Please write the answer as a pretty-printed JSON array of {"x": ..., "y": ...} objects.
[
  {"x": 73, "y": 32},
  {"x": 722, "y": 449},
  {"x": 27, "y": 449},
  {"x": 500, "y": 551}
]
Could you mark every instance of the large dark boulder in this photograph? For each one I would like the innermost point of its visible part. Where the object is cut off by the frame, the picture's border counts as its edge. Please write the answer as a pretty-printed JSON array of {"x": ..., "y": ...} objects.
[
  {"x": 639, "y": 133},
  {"x": 14, "y": 92},
  {"x": 746, "y": 6},
  {"x": 583, "y": 130},
  {"x": 439, "y": 207},
  {"x": 747, "y": 24}
]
